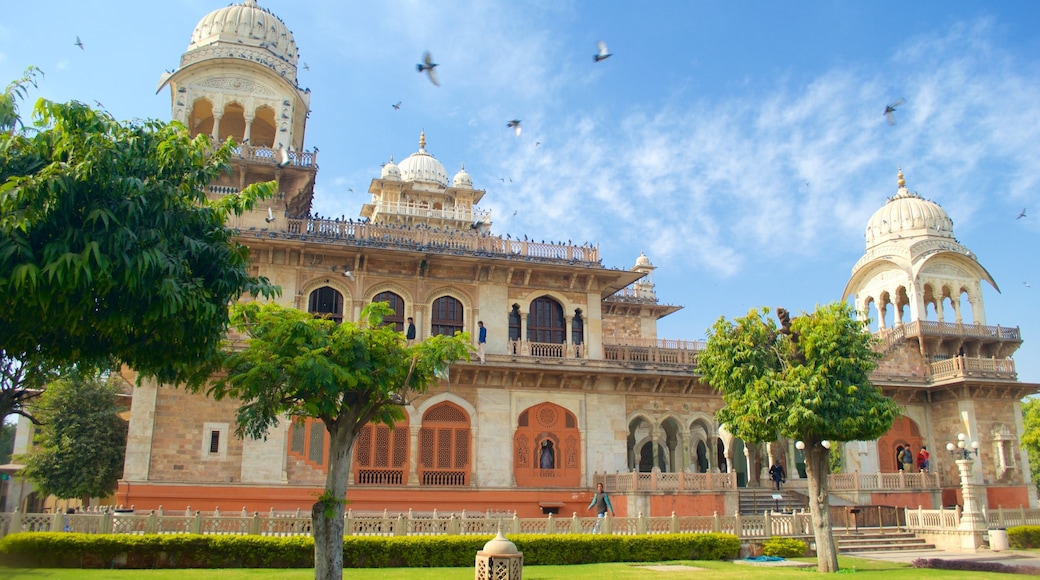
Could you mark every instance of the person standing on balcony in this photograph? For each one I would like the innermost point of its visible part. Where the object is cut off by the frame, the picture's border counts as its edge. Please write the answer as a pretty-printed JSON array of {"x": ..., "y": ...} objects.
[
  {"x": 777, "y": 474},
  {"x": 481, "y": 341},
  {"x": 908, "y": 459},
  {"x": 601, "y": 501},
  {"x": 409, "y": 333},
  {"x": 899, "y": 458},
  {"x": 922, "y": 459}
]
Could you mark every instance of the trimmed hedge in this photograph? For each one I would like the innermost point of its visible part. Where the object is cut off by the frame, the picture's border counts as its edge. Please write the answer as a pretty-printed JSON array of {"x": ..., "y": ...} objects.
[
  {"x": 70, "y": 550},
  {"x": 784, "y": 547},
  {"x": 1024, "y": 537}
]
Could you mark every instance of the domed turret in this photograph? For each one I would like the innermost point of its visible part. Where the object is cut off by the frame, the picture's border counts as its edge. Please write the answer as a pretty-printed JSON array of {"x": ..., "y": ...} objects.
[
  {"x": 421, "y": 166},
  {"x": 908, "y": 215},
  {"x": 462, "y": 179},
  {"x": 246, "y": 24},
  {"x": 391, "y": 171}
]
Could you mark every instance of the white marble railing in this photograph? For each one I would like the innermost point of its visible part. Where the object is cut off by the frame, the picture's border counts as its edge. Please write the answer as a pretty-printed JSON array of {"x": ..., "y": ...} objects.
[
  {"x": 411, "y": 208},
  {"x": 417, "y": 524},
  {"x": 970, "y": 366},
  {"x": 660, "y": 481},
  {"x": 882, "y": 481}
]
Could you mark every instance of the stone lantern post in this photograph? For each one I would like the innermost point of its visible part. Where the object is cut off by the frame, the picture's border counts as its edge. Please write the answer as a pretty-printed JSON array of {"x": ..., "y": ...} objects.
[
  {"x": 499, "y": 560},
  {"x": 973, "y": 522}
]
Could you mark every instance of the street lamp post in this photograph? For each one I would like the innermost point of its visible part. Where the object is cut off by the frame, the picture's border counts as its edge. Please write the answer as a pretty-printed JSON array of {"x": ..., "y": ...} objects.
[{"x": 972, "y": 522}]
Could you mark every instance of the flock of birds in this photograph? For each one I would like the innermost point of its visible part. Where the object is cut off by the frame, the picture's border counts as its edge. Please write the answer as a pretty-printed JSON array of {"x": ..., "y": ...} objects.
[{"x": 429, "y": 67}]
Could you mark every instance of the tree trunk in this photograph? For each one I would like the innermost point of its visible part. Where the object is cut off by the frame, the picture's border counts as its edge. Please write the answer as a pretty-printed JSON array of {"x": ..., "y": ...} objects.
[
  {"x": 817, "y": 467},
  {"x": 327, "y": 516}
]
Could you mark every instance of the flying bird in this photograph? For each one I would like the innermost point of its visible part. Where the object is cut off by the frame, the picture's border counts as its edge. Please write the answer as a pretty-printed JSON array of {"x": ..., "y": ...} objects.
[
  {"x": 1021, "y": 214},
  {"x": 537, "y": 143},
  {"x": 270, "y": 215},
  {"x": 602, "y": 54},
  {"x": 515, "y": 125},
  {"x": 306, "y": 66},
  {"x": 1027, "y": 284},
  {"x": 283, "y": 157},
  {"x": 889, "y": 109},
  {"x": 396, "y": 106},
  {"x": 427, "y": 66},
  {"x": 79, "y": 43}
]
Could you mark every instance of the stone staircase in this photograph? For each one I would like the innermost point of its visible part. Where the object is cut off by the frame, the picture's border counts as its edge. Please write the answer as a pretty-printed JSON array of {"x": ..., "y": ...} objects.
[
  {"x": 755, "y": 500},
  {"x": 871, "y": 540}
]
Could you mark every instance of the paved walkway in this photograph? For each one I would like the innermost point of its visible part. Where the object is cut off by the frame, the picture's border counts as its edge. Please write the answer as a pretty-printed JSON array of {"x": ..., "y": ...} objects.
[{"x": 1009, "y": 557}]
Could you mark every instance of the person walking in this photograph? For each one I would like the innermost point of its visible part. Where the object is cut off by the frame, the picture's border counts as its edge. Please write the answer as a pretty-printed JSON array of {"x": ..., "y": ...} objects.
[
  {"x": 481, "y": 341},
  {"x": 777, "y": 474},
  {"x": 908, "y": 459},
  {"x": 601, "y": 501}
]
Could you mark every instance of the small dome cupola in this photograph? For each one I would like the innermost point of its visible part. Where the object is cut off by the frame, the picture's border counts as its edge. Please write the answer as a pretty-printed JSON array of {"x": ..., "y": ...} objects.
[
  {"x": 462, "y": 180},
  {"x": 391, "y": 171},
  {"x": 907, "y": 215},
  {"x": 421, "y": 166}
]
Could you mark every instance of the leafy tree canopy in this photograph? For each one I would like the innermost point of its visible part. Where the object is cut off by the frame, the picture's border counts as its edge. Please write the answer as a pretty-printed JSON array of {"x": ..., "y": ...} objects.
[
  {"x": 109, "y": 248},
  {"x": 345, "y": 375},
  {"x": 769, "y": 392},
  {"x": 78, "y": 450},
  {"x": 1031, "y": 435}
]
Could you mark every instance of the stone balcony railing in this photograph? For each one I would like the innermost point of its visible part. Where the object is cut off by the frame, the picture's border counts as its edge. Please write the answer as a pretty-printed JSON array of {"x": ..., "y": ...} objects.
[
  {"x": 423, "y": 238},
  {"x": 262, "y": 154},
  {"x": 932, "y": 329},
  {"x": 411, "y": 208},
  {"x": 973, "y": 367},
  {"x": 882, "y": 481}
]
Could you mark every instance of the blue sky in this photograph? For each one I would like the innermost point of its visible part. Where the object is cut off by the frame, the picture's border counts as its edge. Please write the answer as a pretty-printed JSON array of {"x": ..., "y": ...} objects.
[{"x": 740, "y": 144}]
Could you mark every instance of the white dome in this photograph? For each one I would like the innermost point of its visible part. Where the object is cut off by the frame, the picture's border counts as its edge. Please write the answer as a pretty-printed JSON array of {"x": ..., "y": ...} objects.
[
  {"x": 246, "y": 25},
  {"x": 421, "y": 166},
  {"x": 391, "y": 171},
  {"x": 908, "y": 215},
  {"x": 462, "y": 179},
  {"x": 643, "y": 261}
]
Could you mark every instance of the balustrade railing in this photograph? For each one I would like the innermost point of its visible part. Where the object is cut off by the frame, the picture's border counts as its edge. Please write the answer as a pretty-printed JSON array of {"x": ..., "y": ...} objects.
[
  {"x": 882, "y": 481},
  {"x": 934, "y": 328},
  {"x": 661, "y": 481},
  {"x": 798, "y": 524},
  {"x": 384, "y": 235},
  {"x": 969, "y": 366},
  {"x": 419, "y": 209}
]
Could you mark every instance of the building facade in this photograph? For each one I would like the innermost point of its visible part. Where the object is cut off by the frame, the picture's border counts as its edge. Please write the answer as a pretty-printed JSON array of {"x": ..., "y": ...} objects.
[{"x": 577, "y": 386}]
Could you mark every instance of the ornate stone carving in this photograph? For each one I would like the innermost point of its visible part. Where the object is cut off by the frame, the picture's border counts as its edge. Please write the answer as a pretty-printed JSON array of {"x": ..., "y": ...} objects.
[
  {"x": 237, "y": 84},
  {"x": 947, "y": 270}
]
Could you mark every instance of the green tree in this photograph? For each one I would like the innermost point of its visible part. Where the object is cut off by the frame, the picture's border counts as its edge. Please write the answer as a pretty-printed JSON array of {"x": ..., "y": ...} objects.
[
  {"x": 20, "y": 383},
  {"x": 78, "y": 449},
  {"x": 1031, "y": 435},
  {"x": 807, "y": 380},
  {"x": 7, "y": 431},
  {"x": 345, "y": 375},
  {"x": 110, "y": 251},
  {"x": 16, "y": 91}
]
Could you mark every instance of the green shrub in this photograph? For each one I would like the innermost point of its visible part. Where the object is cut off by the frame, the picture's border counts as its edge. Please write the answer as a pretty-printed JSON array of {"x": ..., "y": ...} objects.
[
  {"x": 784, "y": 547},
  {"x": 67, "y": 550},
  {"x": 1024, "y": 537}
]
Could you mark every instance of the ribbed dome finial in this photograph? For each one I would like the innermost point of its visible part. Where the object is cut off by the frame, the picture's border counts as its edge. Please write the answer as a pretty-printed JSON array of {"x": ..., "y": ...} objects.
[
  {"x": 422, "y": 140},
  {"x": 900, "y": 181}
]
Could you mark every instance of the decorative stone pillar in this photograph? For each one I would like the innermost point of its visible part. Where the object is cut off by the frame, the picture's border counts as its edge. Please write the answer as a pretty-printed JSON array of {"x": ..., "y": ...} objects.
[
  {"x": 216, "y": 125},
  {"x": 499, "y": 560},
  {"x": 972, "y": 524},
  {"x": 525, "y": 346},
  {"x": 413, "y": 456},
  {"x": 249, "y": 128}
]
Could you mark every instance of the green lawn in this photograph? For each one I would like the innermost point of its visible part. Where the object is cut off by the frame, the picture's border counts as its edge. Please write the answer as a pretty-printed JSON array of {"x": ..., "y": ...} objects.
[{"x": 865, "y": 569}]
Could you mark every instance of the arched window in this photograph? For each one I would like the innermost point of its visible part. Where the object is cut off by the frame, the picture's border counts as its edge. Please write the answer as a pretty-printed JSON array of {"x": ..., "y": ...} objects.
[
  {"x": 447, "y": 316},
  {"x": 547, "y": 448},
  {"x": 397, "y": 305},
  {"x": 200, "y": 119},
  {"x": 381, "y": 455},
  {"x": 444, "y": 441},
  {"x": 328, "y": 302},
  {"x": 262, "y": 131},
  {"x": 545, "y": 323},
  {"x": 577, "y": 328},
  {"x": 514, "y": 323},
  {"x": 233, "y": 123}
]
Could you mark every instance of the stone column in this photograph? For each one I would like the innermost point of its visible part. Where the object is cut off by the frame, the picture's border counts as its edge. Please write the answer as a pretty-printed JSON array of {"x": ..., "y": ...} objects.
[
  {"x": 413, "y": 455},
  {"x": 525, "y": 347},
  {"x": 216, "y": 125},
  {"x": 249, "y": 128}
]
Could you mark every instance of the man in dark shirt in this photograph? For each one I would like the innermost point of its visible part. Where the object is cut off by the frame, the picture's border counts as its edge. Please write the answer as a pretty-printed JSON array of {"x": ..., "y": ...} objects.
[{"x": 601, "y": 501}]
